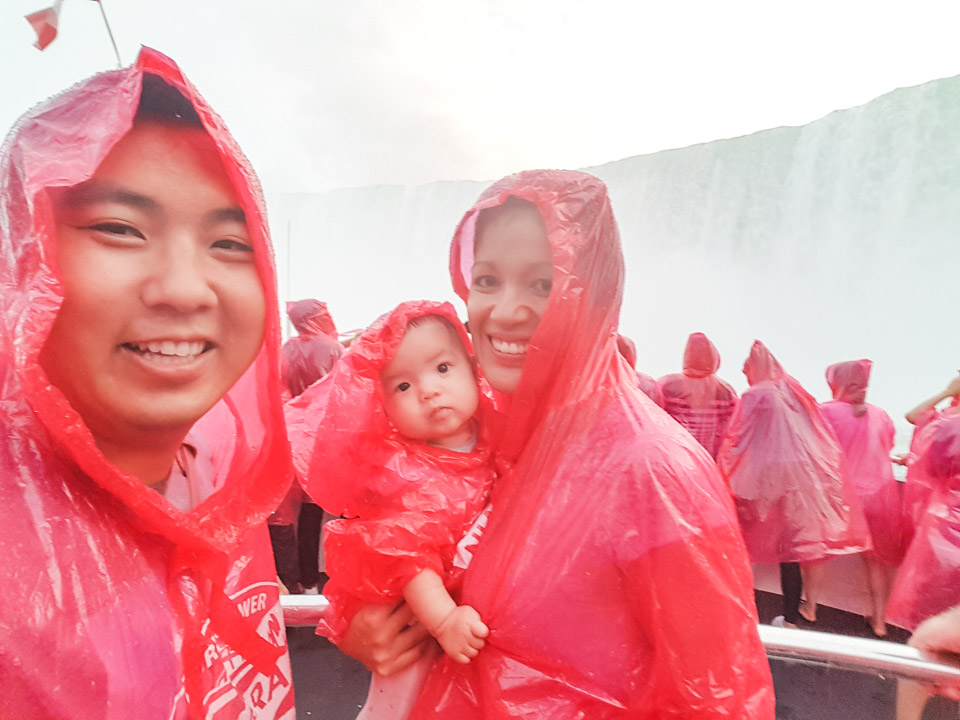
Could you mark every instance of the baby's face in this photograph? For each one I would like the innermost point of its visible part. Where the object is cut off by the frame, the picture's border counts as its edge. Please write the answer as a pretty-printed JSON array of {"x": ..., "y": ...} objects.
[{"x": 429, "y": 389}]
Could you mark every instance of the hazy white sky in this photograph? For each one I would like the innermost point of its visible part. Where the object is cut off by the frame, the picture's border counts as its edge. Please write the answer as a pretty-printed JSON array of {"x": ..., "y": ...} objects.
[{"x": 323, "y": 94}]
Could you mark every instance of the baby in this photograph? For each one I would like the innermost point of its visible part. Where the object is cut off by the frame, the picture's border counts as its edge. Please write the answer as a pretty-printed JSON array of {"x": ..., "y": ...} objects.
[{"x": 395, "y": 448}]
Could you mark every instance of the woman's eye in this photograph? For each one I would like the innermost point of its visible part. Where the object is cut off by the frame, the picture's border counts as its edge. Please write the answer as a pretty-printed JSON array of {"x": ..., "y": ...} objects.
[
  {"x": 484, "y": 282},
  {"x": 543, "y": 286},
  {"x": 116, "y": 229},
  {"x": 442, "y": 368},
  {"x": 403, "y": 387},
  {"x": 233, "y": 245}
]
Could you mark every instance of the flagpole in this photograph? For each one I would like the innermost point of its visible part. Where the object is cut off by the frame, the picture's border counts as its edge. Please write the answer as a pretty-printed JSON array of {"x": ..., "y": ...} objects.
[{"x": 110, "y": 33}]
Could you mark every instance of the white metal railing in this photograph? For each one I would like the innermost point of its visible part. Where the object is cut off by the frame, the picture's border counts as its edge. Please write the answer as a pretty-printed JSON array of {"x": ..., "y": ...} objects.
[{"x": 806, "y": 646}]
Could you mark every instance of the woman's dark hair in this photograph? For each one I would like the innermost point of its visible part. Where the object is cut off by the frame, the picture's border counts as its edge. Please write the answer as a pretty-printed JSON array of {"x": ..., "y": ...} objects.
[
  {"x": 162, "y": 102},
  {"x": 490, "y": 215}
]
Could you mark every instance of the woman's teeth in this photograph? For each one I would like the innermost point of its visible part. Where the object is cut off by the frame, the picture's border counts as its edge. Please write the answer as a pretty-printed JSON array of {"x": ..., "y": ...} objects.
[{"x": 509, "y": 348}]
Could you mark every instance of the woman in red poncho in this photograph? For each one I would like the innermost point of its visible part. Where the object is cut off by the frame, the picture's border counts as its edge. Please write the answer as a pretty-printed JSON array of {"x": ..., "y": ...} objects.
[
  {"x": 928, "y": 581},
  {"x": 697, "y": 398},
  {"x": 139, "y": 294},
  {"x": 866, "y": 434},
  {"x": 917, "y": 489},
  {"x": 786, "y": 472},
  {"x": 611, "y": 573}
]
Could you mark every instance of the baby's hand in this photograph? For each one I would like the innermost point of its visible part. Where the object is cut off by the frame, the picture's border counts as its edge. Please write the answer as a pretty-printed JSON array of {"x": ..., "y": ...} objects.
[{"x": 462, "y": 633}]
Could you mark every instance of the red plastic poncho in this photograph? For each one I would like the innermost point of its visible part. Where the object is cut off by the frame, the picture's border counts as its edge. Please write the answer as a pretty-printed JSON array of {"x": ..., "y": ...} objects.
[
  {"x": 786, "y": 471},
  {"x": 313, "y": 353},
  {"x": 697, "y": 398},
  {"x": 866, "y": 435},
  {"x": 111, "y": 600},
  {"x": 928, "y": 581},
  {"x": 411, "y": 502},
  {"x": 919, "y": 486},
  {"x": 611, "y": 530}
]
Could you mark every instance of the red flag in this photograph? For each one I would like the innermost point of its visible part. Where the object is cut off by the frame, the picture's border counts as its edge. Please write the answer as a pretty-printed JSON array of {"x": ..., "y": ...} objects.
[{"x": 44, "y": 23}]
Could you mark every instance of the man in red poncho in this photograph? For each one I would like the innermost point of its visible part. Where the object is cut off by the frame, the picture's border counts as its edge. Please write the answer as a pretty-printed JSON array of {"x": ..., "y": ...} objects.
[
  {"x": 307, "y": 358},
  {"x": 696, "y": 398},
  {"x": 142, "y": 442}
]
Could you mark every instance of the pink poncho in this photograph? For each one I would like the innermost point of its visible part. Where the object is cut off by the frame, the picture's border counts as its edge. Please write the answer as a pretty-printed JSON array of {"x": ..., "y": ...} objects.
[
  {"x": 410, "y": 503},
  {"x": 866, "y": 434},
  {"x": 611, "y": 531},
  {"x": 929, "y": 578},
  {"x": 786, "y": 471},
  {"x": 697, "y": 398}
]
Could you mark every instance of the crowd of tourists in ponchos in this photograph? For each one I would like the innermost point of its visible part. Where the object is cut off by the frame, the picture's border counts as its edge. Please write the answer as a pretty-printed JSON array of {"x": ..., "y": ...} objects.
[{"x": 523, "y": 532}]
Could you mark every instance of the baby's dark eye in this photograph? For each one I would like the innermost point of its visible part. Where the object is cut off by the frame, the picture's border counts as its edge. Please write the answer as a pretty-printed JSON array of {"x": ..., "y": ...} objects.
[
  {"x": 403, "y": 387},
  {"x": 442, "y": 368}
]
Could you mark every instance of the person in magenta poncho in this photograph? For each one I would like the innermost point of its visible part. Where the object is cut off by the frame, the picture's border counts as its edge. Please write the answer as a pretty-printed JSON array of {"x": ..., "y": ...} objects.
[
  {"x": 315, "y": 350},
  {"x": 696, "y": 398},
  {"x": 917, "y": 489},
  {"x": 393, "y": 443},
  {"x": 646, "y": 383},
  {"x": 866, "y": 435},
  {"x": 928, "y": 582},
  {"x": 786, "y": 471},
  {"x": 142, "y": 442},
  {"x": 610, "y": 531}
]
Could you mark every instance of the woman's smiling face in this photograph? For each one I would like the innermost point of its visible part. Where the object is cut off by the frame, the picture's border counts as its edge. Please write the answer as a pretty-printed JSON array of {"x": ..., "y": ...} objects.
[{"x": 511, "y": 281}]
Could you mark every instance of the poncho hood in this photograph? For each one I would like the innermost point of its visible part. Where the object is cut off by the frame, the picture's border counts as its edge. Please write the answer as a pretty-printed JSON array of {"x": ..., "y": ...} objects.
[
  {"x": 848, "y": 380},
  {"x": 761, "y": 365},
  {"x": 573, "y": 353},
  {"x": 338, "y": 427},
  {"x": 56, "y": 145},
  {"x": 700, "y": 358},
  {"x": 311, "y": 317}
]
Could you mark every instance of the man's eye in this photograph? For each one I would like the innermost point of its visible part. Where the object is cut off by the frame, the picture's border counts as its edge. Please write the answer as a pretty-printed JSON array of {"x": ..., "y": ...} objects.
[
  {"x": 115, "y": 228},
  {"x": 403, "y": 387},
  {"x": 233, "y": 245},
  {"x": 442, "y": 368}
]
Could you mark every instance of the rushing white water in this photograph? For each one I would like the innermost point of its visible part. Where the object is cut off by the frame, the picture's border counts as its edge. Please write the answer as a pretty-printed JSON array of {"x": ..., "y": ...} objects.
[{"x": 832, "y": 241}]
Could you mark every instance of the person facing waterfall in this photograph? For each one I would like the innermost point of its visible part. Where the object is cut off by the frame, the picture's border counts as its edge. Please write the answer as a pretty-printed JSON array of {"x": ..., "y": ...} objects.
[
  {"x": 785, "y": 469},
  {"x": 696, "y": 398},
  {"x": 866, "y": 435}
]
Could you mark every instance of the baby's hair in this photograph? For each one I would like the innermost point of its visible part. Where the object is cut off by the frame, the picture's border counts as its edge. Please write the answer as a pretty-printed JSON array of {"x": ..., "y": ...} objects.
[
  {"x": 424, "y": 319},
  {"x": 513, "y": 204},
  {"x": 161, "y": 102}
]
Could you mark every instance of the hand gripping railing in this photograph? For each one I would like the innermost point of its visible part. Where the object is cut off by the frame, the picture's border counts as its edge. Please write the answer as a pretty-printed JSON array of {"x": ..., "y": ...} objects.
[{"x": 806, "y": 646}]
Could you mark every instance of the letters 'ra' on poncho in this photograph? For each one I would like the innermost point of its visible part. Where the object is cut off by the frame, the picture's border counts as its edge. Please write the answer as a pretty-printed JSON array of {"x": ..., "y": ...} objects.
[
  {"x": 928, "y": 581},
  {"x": 610, "y": 532},
  {"x": 312, "y": 353},
  {"x": 697, "y": 398},
  {"x": 411, "y": 502},
  {"x": 786, "y": 471},
  {"x": 866, "y": 434},
  {"x": 112, "y": 600}
]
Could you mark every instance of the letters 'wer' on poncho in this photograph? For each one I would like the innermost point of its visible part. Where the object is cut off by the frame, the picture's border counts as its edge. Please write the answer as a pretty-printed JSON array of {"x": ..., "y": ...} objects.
[
  {"x": 697, "y": 398},
  {"x": 611, "y": 573},
  {"x": 786, "y": 471},
  {"x": 112, "y": 600},
  {"x": 928, "y": 581},
  {"x": 866, "y": 435},
  {"x": 412, "y": 503}
]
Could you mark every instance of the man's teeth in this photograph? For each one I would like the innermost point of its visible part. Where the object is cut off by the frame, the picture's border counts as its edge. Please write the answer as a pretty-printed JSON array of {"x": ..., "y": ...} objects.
[
  {"x": 169, "y": 348},
  {"x": 509, "y": 348}
]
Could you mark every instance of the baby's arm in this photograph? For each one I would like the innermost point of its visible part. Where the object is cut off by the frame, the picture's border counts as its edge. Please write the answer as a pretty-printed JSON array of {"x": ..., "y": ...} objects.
[{"x": 458, "y": 628}]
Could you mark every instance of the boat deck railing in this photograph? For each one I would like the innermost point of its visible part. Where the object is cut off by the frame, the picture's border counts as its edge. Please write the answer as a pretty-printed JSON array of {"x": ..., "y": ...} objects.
[{"x": 841, "y": 652}]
